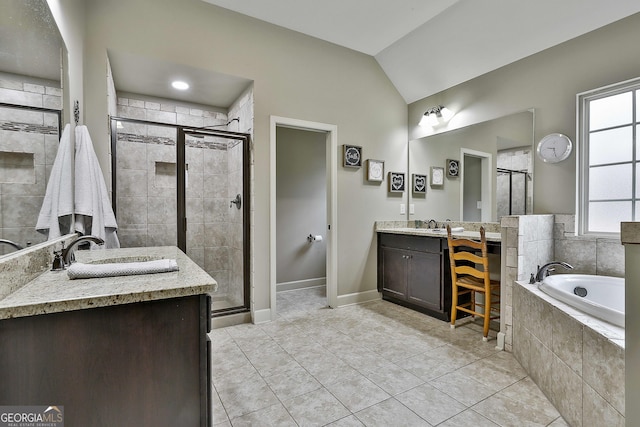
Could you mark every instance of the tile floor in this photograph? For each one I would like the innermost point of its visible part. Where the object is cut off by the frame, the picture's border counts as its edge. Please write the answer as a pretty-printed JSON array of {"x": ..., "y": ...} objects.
[{"x": 374, "y": 364}]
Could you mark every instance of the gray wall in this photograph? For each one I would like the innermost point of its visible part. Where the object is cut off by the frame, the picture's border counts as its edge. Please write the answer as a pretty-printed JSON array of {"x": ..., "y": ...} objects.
[
  {"x": 547, "y": 81},
  {"x": 301, "y": 204},
  {"x": 294, "y": 76}
]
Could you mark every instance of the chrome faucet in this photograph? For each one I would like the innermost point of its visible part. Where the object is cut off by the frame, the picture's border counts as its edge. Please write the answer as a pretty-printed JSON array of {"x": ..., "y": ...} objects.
[
  {"x": 435, "y": 224},
  {"x": 67, "y": 253},
  {"x": 10, "y": 243},
  {"x": 547, "y": 268}
]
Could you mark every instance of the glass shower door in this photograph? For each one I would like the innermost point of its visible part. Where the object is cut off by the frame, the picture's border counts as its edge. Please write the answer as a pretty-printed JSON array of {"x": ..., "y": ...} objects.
[{"x": 215, "y": 214}]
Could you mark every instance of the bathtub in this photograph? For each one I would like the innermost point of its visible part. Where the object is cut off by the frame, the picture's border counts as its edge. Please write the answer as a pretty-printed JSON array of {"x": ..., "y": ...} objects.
[{"x": 599, "y": 296}]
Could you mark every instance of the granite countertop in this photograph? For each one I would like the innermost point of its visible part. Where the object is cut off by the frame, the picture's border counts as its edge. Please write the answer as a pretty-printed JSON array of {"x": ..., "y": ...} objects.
[
  {"x": 466, "y": 234},
  {"x": 54, "y": 292}
]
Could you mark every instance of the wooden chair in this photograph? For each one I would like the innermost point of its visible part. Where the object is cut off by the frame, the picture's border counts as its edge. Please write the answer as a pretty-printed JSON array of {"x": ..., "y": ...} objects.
[{"x": 470, "y": 276}]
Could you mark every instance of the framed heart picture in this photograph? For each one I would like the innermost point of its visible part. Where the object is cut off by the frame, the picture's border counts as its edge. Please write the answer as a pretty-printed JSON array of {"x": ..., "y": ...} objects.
[
  {"x": 419, "y": 183},
  {"x": 396, "y": 182}
]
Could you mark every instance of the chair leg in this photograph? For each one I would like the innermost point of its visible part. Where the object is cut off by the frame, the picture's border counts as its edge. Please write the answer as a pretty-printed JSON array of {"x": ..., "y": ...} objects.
[
  {"x": 487, "y": 315},
  {"x": 454, "y": 304}
]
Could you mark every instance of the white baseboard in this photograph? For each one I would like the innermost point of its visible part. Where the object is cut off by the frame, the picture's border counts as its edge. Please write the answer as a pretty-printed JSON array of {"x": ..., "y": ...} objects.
[
  {"x": 358, "y": 298},
  {"x": 262, "y": 316},
  {"x": 301, "y": 284}
]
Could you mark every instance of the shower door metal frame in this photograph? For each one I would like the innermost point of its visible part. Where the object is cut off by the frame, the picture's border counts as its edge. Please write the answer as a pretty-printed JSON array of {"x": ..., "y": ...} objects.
[{"x": 182, "y": 221}]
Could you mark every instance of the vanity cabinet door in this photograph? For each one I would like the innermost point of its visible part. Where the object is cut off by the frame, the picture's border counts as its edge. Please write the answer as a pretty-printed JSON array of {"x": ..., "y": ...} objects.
[
  {"x": 424, "y": 280},
  {"x": 394, "y": 276}
]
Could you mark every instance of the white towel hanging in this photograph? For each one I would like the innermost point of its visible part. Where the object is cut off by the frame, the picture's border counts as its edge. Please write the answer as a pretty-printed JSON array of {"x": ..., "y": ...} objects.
[
  {"x": 57, "y": 207},
  {"x": 92, "y": 206}
]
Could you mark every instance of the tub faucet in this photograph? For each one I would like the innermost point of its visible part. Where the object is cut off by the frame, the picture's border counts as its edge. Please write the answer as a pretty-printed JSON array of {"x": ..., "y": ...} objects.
[
  {"x": 547, "y": 268},
  {"x": 67, "y": 253},
  {"x": 10, "y": 243}
]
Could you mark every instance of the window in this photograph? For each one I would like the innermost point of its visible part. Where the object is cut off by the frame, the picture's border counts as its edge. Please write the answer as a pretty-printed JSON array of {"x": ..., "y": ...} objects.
[{"x": 609, "y": 158}]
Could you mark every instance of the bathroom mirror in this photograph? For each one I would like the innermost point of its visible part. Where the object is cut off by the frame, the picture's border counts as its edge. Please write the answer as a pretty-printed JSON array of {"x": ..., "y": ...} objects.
[
  {"x": 491, "y": 158},
  {"x": 31, "y": 98}
]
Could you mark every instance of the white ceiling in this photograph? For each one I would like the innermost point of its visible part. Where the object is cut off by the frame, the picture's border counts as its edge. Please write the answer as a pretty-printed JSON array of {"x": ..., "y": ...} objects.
[
  {"x": 152, "y": 77},
  {"x": 426, "y": 46},
  {"x": 29, "y": 40}
]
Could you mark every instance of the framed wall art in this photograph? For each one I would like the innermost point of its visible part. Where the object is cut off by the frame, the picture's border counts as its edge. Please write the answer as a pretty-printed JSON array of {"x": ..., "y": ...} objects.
[
  {"x": 396, "y": 182},
  {"x": 375, "y": 170},
  {"x": 352, "y": 156},
  {"x": 453, "y": 168},
  {"x": 437, "y": 177},
  {"x": 419, "y": 183}
]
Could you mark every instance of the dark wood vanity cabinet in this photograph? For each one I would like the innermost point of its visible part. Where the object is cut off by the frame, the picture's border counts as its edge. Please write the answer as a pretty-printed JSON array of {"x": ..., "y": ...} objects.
[
  {"x": 139, "y": 364},
  {"x": 414, "y": 271}
]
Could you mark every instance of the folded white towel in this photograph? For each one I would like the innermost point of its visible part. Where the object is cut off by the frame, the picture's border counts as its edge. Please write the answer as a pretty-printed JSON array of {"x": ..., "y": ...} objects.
[
  {"x": 444, "y": 230},
  {"x": 79, "y": 270}
]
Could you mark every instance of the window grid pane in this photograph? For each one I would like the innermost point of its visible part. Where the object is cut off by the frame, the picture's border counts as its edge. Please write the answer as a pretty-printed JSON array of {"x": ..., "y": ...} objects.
[
  {"x": 611, "y": 146},
  {"x": 605, "y": 217},
  {"x": 612, "y": 171},
  {"x": 611, "y": 111}
]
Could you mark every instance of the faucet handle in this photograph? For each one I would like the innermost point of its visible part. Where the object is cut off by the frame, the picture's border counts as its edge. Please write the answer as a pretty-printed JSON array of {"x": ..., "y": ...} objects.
[{"x": 58, "y": 261}]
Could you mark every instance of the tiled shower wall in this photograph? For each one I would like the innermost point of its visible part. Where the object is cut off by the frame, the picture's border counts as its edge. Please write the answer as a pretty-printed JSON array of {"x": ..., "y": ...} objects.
[
  {"x": 28, "y": 147},
  {"x": 147, "y": 153},
  {"x": 533, "y": 240}
]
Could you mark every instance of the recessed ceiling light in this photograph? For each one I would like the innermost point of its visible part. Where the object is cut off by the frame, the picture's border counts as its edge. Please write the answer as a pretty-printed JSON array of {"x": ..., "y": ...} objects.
[{"x": 180, "y": 85}]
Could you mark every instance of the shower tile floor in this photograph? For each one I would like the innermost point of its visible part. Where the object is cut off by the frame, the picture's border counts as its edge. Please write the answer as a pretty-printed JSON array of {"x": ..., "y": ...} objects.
[{"x": 373, "y": 364}]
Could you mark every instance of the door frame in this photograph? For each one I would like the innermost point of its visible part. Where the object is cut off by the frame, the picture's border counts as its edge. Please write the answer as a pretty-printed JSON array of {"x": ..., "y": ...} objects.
[
  {"x": 331, "y": 144},
  {"x": 487, "y": 182}
]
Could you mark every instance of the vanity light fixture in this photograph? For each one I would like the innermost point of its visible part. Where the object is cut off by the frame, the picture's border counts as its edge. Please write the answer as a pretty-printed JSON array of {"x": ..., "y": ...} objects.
[
  {"x": 180, "y": 85},
  {"x": 435, "y": 115}
]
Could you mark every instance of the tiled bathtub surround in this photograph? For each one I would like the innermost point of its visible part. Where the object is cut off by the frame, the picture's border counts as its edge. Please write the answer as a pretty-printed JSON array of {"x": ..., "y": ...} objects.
[
  {"x": 576, "y": 360},
  {"x": 532, "y": 240},
  {"x": 28, "y": 146}
]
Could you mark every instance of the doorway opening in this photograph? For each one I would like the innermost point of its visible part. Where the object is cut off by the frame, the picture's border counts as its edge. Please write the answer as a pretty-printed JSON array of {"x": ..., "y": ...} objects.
[
  {"x": 476, "y": 186},
  {"x": 186, "y": 187},
  {"x": 303, "y": 220}
]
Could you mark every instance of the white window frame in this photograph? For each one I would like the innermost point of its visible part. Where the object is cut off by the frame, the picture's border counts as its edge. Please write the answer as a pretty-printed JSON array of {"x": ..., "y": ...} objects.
[{"x": 582, "y": 154}]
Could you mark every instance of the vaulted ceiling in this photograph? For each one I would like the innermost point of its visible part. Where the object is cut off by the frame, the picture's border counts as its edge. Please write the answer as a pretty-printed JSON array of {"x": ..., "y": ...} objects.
[{"x": 426, "y": 46}]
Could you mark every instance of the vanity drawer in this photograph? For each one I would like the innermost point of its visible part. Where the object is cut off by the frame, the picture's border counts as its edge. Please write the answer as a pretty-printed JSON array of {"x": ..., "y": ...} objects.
[{"x": 413, "y": 243}]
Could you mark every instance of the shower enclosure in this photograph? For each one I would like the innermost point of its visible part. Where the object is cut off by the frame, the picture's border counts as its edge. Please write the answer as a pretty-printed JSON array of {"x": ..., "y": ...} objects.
[
  {"x": 29, "y": 139},
  {"x": 186, "y": 187}
]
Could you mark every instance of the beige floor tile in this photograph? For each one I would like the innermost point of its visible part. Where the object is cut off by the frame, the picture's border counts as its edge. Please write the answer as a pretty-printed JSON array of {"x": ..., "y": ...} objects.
[
  {"x": 357, "y": 393},
  {"x": 390, "y": 413},
  {"x": 430, "y": 403},
  {"x": 464, "y": 389},
  {"x": 393, "y": 380},
  {"x": 295, "y": 382},
  {"x": 468, "y": 418},
  {"x": 274, "y": 415},
  {"x": 350, "y": 421},
  {"x": 250, "y": 395},
  {"x": 339, "y": 366},
  {"x": 316, "y": 408}
]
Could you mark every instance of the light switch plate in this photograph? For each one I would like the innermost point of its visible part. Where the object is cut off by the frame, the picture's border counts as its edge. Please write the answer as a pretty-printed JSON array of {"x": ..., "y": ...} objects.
[
  {"x": 403, "y": 209},
  {"x": 412, "y": 209}
]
